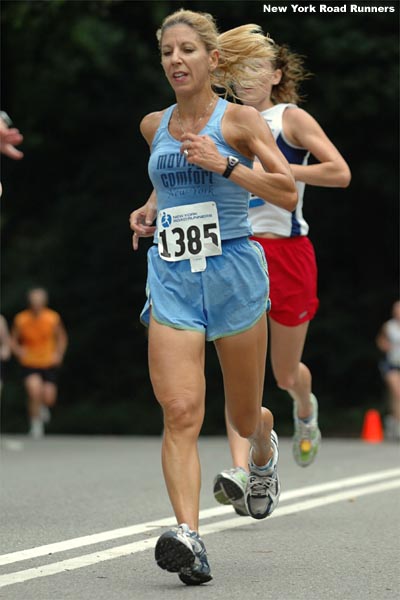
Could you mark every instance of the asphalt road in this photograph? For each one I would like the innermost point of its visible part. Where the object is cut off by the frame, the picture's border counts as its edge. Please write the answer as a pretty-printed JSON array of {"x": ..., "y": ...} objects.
[{"x": 80, "y": 517}]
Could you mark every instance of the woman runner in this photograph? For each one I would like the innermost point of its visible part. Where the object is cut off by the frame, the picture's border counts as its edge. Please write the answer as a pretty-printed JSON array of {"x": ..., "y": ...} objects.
[
  {"x": 206, "y": 280},
  {"x": 290, "y": 253},
  {"x": 388, "y": 341}
]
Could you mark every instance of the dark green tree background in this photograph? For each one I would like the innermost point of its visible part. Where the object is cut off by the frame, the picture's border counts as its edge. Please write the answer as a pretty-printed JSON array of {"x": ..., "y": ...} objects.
[{"x": 77, "y": 78}]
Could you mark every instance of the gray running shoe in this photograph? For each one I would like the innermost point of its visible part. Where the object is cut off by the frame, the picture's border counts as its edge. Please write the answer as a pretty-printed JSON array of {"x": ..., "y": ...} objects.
[
  {"x": 229, "y": 488},
  {"x": 182, "y": 551},
  {"x": 307, "y": 436},
  {"x": 263, "y": 491}
]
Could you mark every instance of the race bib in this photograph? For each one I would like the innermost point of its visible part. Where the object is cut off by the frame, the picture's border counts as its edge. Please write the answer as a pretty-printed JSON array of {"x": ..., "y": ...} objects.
[{"x": 189, "y": 232}]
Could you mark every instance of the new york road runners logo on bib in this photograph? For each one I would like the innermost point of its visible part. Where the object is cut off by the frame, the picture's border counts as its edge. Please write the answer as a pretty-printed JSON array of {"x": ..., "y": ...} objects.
[{"x": 189, "y": 232}]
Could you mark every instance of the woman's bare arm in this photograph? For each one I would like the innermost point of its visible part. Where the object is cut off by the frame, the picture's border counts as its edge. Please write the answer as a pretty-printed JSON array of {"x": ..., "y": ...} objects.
[{"x": 301, "y": 129}]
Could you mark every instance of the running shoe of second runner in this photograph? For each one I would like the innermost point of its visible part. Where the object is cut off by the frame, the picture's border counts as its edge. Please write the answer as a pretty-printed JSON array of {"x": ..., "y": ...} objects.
[
  {"x": 36, "y": 430},
  {"x": 307, "y": 436},
  {"x": 45, "y": 414},
  {"x": 182, "y": 551},
  {"x": 392, "y": 429},
  {"x": 230, "y": 487},
  {"x": 263, "y": 486}
]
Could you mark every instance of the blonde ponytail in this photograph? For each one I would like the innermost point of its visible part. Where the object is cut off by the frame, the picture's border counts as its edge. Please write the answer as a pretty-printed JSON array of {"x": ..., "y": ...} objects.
[{"x": 243, "y": 52}]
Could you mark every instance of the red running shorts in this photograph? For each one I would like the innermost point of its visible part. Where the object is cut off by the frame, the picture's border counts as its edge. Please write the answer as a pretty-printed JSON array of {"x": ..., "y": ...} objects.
[{"x": 293, "y": 279}]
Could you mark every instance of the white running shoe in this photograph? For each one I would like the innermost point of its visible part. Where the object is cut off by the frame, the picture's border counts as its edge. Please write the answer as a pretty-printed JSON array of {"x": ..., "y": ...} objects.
[
  {"x": 45, "y": 414},
  {"x": 392, "y": 429},
  {"x": 230, "y": 487},
  {"x": 37, "y": 430},
  {"x": 263, "y": 490}
]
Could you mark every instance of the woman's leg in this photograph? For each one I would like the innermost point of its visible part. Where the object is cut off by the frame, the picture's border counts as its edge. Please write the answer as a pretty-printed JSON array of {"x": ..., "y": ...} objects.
[
  {"x": 287, "y": 344},
  {"x": 392, "y": 379},
  {"x": 239, "y": 446},
  {"x": 230, "y": 485},
  {"x": 292, "y": 375},
  {"x": 176, "y": 361},
  {"x": 242, "y": 358}
]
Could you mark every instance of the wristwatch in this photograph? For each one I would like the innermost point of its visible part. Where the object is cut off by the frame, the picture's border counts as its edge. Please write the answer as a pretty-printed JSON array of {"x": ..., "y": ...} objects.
[{"x": 232, "y": 162}]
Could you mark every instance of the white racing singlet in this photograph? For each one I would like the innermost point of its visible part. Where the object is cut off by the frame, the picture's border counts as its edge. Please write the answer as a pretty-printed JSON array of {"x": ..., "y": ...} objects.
[
  {"x": 393, "y": 335},
  {"x": 264, "y": 216}
]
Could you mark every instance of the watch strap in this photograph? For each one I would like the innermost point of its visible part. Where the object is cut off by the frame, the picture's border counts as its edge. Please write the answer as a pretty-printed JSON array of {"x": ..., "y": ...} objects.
[{"x": 232, "y": 162}]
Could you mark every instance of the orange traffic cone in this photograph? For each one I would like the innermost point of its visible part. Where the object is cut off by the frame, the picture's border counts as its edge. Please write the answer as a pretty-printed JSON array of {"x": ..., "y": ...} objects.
[{"x": 372, "y": 431}]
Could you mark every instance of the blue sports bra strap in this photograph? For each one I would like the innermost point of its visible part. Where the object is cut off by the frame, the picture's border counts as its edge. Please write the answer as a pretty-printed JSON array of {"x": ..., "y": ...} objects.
[{"x": 166, "y": 117}]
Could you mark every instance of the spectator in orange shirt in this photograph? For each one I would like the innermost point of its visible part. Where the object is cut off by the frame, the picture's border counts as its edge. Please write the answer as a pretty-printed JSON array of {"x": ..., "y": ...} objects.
[{"x": 39, "y": 342}]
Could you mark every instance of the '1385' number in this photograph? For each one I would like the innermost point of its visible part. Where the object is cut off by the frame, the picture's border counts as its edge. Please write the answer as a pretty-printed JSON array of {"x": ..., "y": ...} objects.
[{"x": 193, "y": 240}]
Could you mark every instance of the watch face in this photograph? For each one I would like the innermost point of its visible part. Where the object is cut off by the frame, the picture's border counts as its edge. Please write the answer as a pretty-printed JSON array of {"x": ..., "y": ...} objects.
[{"x": 232, "y": 161}]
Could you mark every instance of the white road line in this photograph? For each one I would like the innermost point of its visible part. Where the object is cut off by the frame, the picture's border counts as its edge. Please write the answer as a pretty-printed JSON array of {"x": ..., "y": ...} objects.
[
  {"x": 305, "y": 505},
  {"x": 208, "y": 513},
  {"x": 340, "y": 483},
  {"x": 134, "y": 547}
]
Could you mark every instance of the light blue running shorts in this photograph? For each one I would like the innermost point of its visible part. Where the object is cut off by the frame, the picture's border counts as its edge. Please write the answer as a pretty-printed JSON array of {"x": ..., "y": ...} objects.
[{"x": 229, "y": 297}]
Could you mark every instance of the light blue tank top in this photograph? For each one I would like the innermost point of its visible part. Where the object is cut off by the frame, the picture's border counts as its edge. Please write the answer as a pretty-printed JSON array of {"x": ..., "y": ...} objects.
[{"x": 178, "y": 183}]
